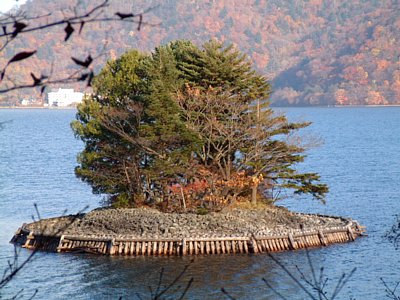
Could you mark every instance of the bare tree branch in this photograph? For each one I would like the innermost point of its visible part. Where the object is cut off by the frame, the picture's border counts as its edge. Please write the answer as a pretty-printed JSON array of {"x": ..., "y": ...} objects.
[
  {"x": 18, "y": 23},
  {"x": 14, "y": 267}
]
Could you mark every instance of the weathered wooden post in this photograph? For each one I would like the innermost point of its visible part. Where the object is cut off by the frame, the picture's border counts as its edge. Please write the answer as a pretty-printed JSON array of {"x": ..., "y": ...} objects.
[
  {"x": 110, "y": 247},
  {"x": 322, "y": 238},
  {"x": 28, "y": 240},
  {"x": 59, "y": 247},
  {"x": 183, "y": 246}
]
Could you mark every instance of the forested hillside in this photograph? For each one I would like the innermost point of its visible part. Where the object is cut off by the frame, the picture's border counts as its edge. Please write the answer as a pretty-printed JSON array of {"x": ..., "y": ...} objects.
[{"x": 314, "y": 52}]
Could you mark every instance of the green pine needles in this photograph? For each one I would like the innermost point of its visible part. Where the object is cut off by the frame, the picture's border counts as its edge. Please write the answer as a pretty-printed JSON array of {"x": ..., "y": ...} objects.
[{"x": 187, "y": 128}]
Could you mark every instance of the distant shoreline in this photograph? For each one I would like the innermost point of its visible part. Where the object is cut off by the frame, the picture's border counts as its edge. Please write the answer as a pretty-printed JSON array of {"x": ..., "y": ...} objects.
[
  {"x": 371, "y": 105},
  {"x": 332, "y": 106},
  {"x": 37, "y": 107}
]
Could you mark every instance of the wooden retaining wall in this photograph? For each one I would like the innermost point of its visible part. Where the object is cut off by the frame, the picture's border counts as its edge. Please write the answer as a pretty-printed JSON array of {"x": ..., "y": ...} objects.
[{"x": 187, "y": 246}]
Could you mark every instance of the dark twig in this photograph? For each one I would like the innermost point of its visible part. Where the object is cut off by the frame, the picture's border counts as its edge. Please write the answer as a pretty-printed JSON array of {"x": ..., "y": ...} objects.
[
  {"x": 283, "y": 267},
  {"x": 342, "y": 282},
  {"x": 174, "y": 282},
  {"x": 3, "y": 124},
  {"x": 37, "y": 211},
  {"x": 274, "y": 290},
  {"x": 227, "y": 294},
  {"x": 34, "y": 294},
  {"x": 317, "y": 284},
  {"x": 76, "y": 76},
  {"x": 391, "y": 292},
  {"x": 14, "y": 267},
  {"x": 393, "y": 235},
  {"x": 188, "y": 285},
  {"x": 71, "y": 25},
  {"x": 77, "y": 19},
  {"x": 138, "y": 296},
  {"x": 160, "y": 280}
]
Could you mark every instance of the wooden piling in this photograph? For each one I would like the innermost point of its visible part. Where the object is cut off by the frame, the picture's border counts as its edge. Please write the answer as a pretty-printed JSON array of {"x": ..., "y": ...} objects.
[
  {"x": 227, "y": 246},
  {"x": 267, "y": 246},
  {"x": 143, "y": 248},
  {"x": 316, "y": 240},
  {"x": 245, "y": 247},
  {"x": 322, "y": 238},
  {"x": 275, "y": 245},
  {"x": 223, "y": 247},
  {"x": 284, "y": 243},
  {"x": 260, "y": 246},
  {"x": 110, "y": 247},
  {"x": 60, "y": 244},
  {"x": 188, "y": 246},
  {"x": 282, "y": 246},
  {"x": 212, "y": 247},
  {"x": 148, "y": 248}
]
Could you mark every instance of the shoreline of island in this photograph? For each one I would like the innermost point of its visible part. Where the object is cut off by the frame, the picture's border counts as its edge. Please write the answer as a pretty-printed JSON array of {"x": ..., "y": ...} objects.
[{"x": 146, "y": 231}]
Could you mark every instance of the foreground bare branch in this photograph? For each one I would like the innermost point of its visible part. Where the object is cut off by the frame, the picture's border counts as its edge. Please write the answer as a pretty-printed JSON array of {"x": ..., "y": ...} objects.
[
  {"x": 18, "y": 23},
  {"x": 14, "y": 266}
]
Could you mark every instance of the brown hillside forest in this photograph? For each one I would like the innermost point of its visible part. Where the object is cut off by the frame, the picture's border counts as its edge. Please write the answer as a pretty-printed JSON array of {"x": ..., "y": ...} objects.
[{"x": 315, "y": 52}]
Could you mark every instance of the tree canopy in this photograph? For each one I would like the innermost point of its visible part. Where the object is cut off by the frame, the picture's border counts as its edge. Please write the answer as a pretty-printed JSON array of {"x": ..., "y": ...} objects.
[{"x": 187, "y": 127}]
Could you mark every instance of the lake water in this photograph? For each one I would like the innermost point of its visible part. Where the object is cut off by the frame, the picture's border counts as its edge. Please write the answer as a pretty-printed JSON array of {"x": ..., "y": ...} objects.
[{"x": 359, "y": 160}]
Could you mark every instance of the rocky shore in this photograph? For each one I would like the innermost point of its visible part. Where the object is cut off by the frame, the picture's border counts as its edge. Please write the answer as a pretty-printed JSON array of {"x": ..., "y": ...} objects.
[{"x": 150, "y": 223}]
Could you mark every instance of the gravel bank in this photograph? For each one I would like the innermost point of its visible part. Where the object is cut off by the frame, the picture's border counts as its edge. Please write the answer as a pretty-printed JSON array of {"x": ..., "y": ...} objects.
[{"x": 150, "y": 223}]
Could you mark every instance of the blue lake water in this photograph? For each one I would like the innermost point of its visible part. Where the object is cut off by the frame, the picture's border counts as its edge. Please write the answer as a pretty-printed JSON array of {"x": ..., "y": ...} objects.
[{"x": 359, "y": 159}]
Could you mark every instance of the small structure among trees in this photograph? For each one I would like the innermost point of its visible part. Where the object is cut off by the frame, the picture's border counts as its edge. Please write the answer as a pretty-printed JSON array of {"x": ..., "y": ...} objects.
[
  {"x": 64, "y": 97},
  {"x": 187, "y": 128}
]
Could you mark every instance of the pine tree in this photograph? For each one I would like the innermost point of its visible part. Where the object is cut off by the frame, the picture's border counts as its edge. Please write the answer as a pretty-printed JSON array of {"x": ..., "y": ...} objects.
[
  {"x": 110, "y": 161},
  {"x": 135, "y": 140},
  {"x": 162, "y": 127},
  {"x": 225, "y": 68}
]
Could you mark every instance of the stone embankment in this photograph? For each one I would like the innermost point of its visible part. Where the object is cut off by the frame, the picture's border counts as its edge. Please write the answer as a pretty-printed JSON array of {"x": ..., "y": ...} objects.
[{"x": 145, "y": 231}]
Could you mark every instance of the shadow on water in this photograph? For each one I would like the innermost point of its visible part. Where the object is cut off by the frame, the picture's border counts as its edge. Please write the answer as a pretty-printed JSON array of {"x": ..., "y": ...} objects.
[
  {"x": 131, "y": 276},
  {"x": 242, "y": 276}
]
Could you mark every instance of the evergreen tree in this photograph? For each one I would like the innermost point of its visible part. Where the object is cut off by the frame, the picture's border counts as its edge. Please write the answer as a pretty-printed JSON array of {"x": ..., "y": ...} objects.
[
  {"x": 110, "y": 161},
  {"x": 162, "y": 127},
  {"x": 135, "y": 140},
  {"x": 224, "y": 68}
]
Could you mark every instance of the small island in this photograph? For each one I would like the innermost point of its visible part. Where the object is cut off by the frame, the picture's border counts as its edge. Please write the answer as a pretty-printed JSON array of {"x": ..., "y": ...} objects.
[
  {"x": 191, "y": 160},
  {"x": 147, "y": 231}
]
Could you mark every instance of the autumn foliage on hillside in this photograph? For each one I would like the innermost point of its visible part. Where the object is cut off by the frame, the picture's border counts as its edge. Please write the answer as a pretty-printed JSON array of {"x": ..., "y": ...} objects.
[{"x": 314, "y": 52}]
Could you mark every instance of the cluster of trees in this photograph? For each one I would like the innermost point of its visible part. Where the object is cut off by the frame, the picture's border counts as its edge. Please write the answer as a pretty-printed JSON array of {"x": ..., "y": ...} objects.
[
  {"x": 187, "y": 127},
  {"x": 314, "y": 52}
]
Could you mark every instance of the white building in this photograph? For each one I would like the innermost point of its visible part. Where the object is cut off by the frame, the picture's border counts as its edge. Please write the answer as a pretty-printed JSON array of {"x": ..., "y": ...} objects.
[
  {"x": 64, "y": 98},
  {"x": 26, "y": 102}
]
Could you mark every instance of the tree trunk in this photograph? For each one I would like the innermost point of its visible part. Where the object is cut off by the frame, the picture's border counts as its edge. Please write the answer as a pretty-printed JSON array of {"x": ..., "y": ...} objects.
[
  {"x": 228, "y": 170},
  {"x": 254, "y": 193},
  {"x": 183, "y": 199}
]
